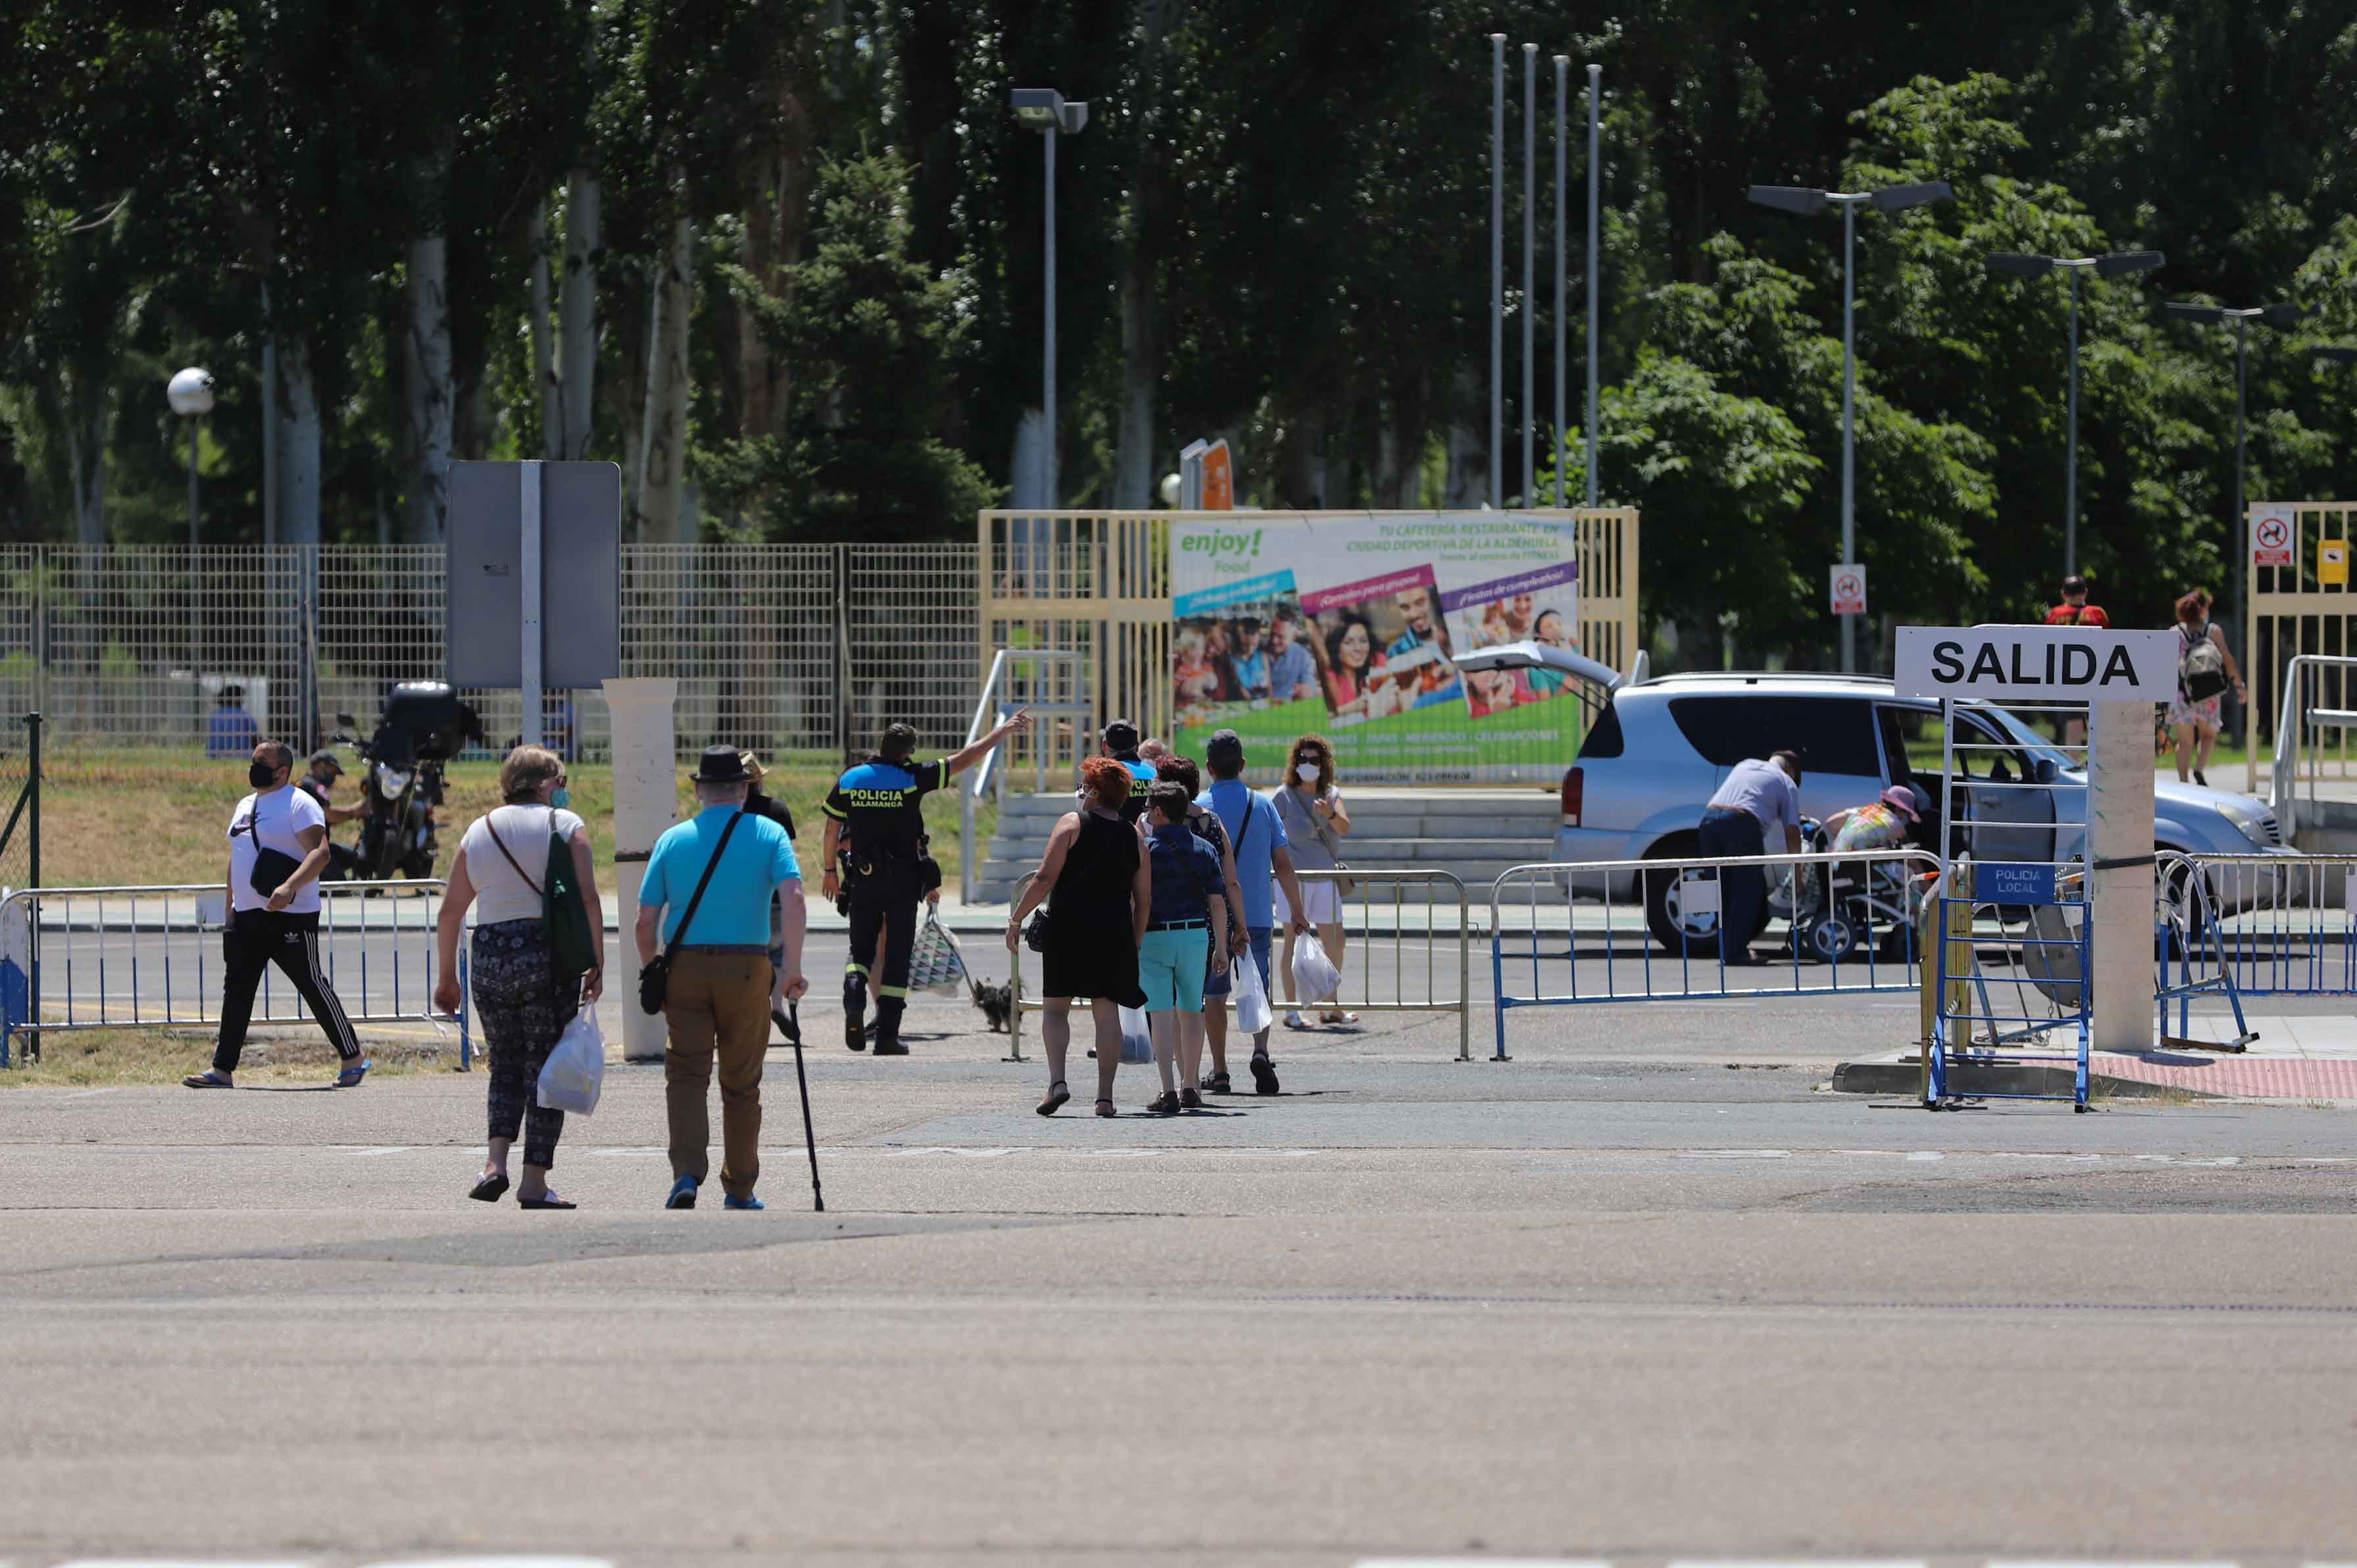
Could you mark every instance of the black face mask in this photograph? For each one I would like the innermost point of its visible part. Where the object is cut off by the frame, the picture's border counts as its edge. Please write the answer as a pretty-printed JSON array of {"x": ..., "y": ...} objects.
[{"x": 260, "y": 774}]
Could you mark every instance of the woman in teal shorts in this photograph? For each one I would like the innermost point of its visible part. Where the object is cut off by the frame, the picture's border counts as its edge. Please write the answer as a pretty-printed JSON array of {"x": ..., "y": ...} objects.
[{"x": 1186, "y": 934}]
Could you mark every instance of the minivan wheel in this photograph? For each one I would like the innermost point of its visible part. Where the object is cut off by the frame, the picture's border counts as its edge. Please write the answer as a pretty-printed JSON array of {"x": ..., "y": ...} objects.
[{"x": 1682, "y": 933}]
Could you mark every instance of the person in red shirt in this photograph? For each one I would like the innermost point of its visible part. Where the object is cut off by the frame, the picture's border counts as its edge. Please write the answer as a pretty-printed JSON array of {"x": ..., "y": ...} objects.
[{"x": 2074, "y": 609}]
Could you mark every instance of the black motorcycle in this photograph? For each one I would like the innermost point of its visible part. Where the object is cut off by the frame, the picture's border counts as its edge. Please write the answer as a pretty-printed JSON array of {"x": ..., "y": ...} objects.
[{"x": 425, "y": 726}]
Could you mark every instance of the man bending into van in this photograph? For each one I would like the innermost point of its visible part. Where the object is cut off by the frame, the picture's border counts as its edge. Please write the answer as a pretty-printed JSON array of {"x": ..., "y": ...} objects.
[{"x": 1756, "y": 797}]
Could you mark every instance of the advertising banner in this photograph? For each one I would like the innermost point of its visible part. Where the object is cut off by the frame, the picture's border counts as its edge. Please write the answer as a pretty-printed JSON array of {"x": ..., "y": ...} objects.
[{"x": 1350, "y": 627}]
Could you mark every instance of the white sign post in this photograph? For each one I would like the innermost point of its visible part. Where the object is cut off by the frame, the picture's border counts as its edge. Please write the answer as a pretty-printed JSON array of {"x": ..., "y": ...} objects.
[
  {"x": 2120, "y": 675},
  {"x": 1849, "y": 590}
]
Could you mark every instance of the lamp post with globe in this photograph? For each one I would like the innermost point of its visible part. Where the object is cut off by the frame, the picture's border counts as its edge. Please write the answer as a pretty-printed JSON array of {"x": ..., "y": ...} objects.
[{"x": 191, "y": 391}]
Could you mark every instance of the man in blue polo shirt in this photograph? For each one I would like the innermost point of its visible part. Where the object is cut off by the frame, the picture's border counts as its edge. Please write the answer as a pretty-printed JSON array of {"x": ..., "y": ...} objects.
[
  {"x": 717, "y": 1002},
  {"x": 1257, "y": 834},
  {"x": 1119, "y": 738}
]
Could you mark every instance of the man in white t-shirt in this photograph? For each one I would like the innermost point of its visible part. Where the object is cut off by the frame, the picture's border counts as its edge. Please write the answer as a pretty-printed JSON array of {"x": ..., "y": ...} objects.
[{"x": 278, "y": 847}]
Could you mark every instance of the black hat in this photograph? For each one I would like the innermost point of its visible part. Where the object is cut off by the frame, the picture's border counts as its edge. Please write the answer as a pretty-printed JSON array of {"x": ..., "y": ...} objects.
[
  {"x": 324, "y": 755},
  {"x": 1120, "y": 736},
  {"x": 722, "y": 765},
  {"x": 1224, "y": 745}
]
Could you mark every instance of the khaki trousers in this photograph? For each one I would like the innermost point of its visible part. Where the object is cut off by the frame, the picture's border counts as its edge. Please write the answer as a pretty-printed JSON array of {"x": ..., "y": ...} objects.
[{"x": 716, "y": 1003}]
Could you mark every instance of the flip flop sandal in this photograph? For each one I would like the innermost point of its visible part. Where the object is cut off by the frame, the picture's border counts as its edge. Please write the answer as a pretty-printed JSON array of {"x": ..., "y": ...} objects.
[
  {"x": 490, "y": 1189},
  {"x": 1057, "y": 1095},
  {"x": 207, "y": 1080},
  {"x": 1217, "y": 1084},
  {"x": 1107, "y": 1108},
  {"x": 551, "y": 1201}
]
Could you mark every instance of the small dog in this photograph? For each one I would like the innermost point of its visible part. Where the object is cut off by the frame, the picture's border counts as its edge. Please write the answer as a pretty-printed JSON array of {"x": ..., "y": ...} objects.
[{"x": 997, "y": 1003}]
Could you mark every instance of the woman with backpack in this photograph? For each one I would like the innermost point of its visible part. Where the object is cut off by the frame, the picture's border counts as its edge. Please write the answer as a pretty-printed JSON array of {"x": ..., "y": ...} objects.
[
  {"x": 523, "y": 993},
  {"x": 2205, "y": 668}
]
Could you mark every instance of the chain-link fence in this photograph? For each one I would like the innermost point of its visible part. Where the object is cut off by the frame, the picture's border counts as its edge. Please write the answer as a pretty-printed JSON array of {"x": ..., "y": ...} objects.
[{"x": 788, "y": 649}]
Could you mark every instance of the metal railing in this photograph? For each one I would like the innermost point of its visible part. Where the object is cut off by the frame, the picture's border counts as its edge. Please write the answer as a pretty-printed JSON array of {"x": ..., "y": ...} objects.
[
  {"x": 149, "y": 957},
  {"x": 784, "y": 649},
  {"x": 2299, "y": 753},
  {"x": 1366, "y": 934},
  {"x": 2276, "y": 925},
  {"x": 1848, "y": 928},
  {"x": 1052, "y": 691}
]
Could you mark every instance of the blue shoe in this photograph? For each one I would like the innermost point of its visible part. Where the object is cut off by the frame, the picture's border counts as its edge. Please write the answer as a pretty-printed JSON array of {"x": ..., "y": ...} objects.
[
  {"x": 733, "y": 1202},
  {"x": 682, "y": 1193},
  {"x": 350, "y": 1077}
]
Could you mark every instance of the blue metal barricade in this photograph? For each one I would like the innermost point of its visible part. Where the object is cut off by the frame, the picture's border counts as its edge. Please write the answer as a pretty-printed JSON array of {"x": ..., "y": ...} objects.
[
  {"x": 1648, "y": 930},
  {"x": 1979, "y": 907}
]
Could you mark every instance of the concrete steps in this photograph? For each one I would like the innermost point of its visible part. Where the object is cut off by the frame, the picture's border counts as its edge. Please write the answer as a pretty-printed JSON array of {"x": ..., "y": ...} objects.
[{"x": 1474, "y": 834}]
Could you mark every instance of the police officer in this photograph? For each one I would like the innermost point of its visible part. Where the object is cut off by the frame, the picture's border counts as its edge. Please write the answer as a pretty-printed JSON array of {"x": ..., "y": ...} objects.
[
  {"x": 1120, "y": 741},
  {"x": 885, "y": 868}
]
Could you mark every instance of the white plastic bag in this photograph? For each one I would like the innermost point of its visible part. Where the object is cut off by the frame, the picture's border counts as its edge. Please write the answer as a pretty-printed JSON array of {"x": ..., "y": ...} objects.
[
  {"x": 575, "y": 1070},
  {"x": 1136, "y": 1039},
  {"x": 1250, "y": 995},
  {"x": 1313, "y": 974}
]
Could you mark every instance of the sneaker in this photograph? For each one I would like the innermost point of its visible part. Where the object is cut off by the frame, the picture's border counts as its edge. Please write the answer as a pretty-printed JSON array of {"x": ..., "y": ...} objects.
[
  {"x": 733, "y": 1202},
  {"x": 1263, "y": 1073},
  {"x": 886, "y": 1046},
  {"x": 682, "y": 1193}
]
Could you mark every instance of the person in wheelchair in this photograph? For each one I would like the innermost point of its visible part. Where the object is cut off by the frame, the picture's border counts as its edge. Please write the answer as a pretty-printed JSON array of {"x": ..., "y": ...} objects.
[{"x": 1869, "y": 901}]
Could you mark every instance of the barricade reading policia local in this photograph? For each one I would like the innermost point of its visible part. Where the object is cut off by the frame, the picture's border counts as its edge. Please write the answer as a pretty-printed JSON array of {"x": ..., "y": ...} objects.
[{"x": 144, "y": 958}]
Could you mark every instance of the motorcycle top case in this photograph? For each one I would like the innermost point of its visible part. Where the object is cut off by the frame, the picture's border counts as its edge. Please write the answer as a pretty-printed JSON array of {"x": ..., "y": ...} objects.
[{"x": 426, "y": 718}]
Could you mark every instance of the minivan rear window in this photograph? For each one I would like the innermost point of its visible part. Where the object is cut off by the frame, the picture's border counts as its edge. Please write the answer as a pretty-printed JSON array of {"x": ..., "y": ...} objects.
[
  {"x": 1834, "y": 735},
  {"x": 1603, "y": 735}
]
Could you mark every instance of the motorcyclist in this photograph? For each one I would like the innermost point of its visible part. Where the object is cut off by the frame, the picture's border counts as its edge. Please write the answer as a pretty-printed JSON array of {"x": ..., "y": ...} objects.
[{"x": 325, "y": 769}]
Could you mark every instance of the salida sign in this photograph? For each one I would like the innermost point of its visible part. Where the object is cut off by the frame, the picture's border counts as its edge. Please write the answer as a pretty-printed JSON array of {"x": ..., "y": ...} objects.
[{"x": 2066, "y": 663}]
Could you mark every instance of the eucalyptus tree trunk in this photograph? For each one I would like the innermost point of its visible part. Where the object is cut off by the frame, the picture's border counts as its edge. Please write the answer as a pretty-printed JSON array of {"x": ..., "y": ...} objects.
[
  {"x": 577, "y": 348},
  {"x": 662, "y": 456},
  {"x": 543, "y": 350},
  {"x": 428, "y": 402},
  {"x": 298, "y": 442}
]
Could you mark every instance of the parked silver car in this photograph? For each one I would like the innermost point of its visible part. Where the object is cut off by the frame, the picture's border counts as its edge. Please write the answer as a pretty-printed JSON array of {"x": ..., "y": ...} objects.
[{"x": 1658, "y": 749}]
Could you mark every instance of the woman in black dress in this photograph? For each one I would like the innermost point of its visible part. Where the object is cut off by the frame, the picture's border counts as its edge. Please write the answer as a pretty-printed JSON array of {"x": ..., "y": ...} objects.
[{"x": 1099, "y": 889}]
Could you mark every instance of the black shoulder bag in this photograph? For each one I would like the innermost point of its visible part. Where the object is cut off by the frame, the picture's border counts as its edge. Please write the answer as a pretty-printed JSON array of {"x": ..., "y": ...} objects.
[
  {"x": 272, "y": 868},
  {"x": 654, "y": 980}
]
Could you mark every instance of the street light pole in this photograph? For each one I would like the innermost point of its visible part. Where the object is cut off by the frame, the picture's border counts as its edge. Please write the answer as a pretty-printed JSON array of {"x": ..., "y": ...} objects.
[
  {"x": 1595, "y": 93},
  {"x": 2117, "y": 264},
  {"x": 2284, "y": 314},
  {"x": 1562, "y": 68},
  {"x": 1047, "y": 110},
  {"x": 1530, "y": 207},
  {"x": 1806, "y": 200},
  {"x": 1497, "y": 269},
  {"x": 1849, "y": 419}
]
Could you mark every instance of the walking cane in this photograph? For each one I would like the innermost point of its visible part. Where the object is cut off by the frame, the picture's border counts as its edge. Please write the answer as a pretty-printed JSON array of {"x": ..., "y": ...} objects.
[{"x": 789, "y": 1024}]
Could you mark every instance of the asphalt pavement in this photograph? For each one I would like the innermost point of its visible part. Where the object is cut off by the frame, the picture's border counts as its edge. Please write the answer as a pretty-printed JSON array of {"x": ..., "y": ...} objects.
[{"x": 1645, "y": 1292}]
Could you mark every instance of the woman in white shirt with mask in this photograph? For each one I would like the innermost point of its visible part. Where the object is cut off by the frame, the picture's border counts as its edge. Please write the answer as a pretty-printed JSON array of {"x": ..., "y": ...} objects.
[{"x": 1316, "y": 822}]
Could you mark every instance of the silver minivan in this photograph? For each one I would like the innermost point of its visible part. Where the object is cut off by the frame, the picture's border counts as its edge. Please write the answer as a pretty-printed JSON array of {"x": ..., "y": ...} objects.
[{"x": 1657, "y": 750}]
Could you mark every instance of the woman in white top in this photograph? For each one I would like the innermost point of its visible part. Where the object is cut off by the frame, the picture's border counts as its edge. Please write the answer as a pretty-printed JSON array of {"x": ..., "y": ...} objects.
[
  {"x": 1316, "y": 823},
  {"x": 520, "y": 999}
]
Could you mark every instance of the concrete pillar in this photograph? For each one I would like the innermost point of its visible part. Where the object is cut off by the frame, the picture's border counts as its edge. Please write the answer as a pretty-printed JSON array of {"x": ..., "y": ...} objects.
[
  {"x": 2119, "y": 901},
  {"x": 645, "y": 800}
]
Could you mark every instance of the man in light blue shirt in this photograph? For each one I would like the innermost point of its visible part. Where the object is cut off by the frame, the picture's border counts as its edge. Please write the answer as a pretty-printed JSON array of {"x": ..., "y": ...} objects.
[
  {"x": 717, "y": 1001},
  {"x": 1248, "y": 663},
  {"x": 1257, "y": 835},
  {"x": 1758, "y": 795},
  {"x": 1292, "y": 674}
]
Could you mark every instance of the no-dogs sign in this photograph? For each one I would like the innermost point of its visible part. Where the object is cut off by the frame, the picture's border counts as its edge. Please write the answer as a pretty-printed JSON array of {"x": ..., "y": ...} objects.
[
  {"x": 1849, "y": 590},
  {"x": 2067, "y": 663},
  {"x": 2271, "y": 536}
]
